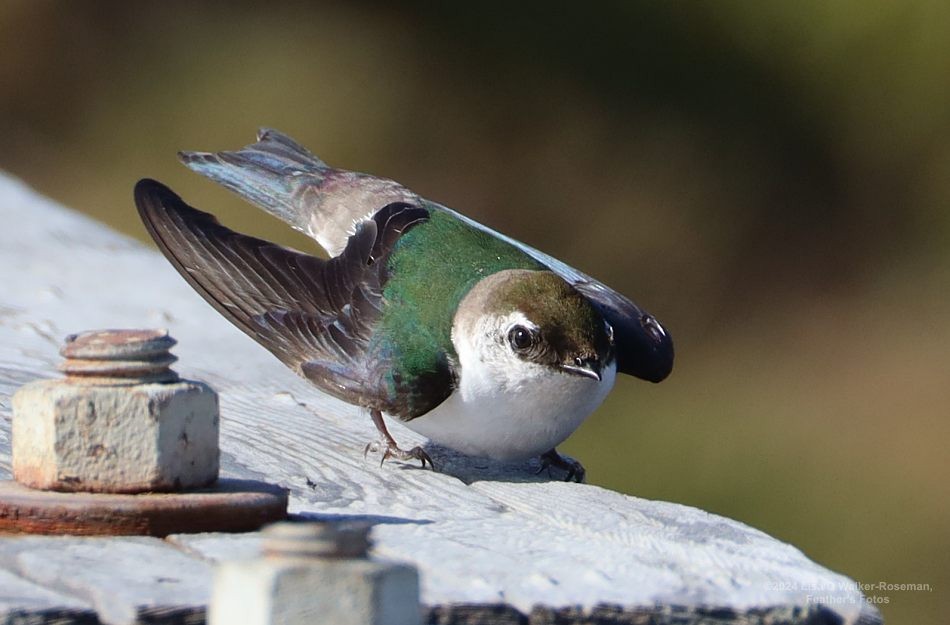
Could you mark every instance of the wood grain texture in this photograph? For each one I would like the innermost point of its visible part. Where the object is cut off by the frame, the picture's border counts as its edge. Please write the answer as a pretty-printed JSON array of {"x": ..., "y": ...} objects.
[
  {"x": 128, "y": 580},
  {"x": 494, "y": 543}
]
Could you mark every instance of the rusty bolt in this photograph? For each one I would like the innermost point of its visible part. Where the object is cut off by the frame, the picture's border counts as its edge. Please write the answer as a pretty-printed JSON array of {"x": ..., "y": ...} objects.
[
  {"x": 315, "y": 573},
  {"x": 120, "y": 422}
]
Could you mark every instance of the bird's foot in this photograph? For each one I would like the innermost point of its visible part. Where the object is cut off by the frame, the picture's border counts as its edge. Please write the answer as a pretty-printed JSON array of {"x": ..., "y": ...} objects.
[
  {"x": 575, "y": 470},
  {"x": 391, "y": 450}
]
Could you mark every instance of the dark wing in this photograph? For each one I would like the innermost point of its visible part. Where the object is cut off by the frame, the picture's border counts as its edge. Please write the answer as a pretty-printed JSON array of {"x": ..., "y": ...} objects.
[
  {"x": 315, "y": 315},
  {"x": 644, "y": 347}
]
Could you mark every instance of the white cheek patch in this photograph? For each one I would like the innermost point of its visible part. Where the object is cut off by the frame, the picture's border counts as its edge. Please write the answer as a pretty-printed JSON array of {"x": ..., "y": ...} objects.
[
  {"x": 484, "y": 352},
  {"x": 489, "y": 341},
  {"x": 485, "y": 342}
]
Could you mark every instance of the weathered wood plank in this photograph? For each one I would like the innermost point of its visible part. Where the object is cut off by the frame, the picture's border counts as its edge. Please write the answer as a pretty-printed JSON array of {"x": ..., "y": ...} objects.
[
  {"x": 127, "y": 580},
  {"x": 25, "y": 603},
  {"x": 494, "y": 543}
]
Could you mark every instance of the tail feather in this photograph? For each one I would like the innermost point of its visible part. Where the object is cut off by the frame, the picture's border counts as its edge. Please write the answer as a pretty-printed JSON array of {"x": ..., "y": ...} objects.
[
  {"x": 286, "y": 180},
  {"x": 269, "y": 173}
]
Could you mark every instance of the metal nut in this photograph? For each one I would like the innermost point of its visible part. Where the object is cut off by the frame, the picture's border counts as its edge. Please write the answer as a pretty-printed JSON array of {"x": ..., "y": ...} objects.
[
  {"x": 307, "y": 576},
  {"x": 121, "y": 421}
]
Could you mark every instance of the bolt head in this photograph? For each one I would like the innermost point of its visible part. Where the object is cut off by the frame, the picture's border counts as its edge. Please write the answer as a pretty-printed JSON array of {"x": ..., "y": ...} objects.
[
  {"x": 340, "y": 591},
  {"x": 115, "y": 439}
]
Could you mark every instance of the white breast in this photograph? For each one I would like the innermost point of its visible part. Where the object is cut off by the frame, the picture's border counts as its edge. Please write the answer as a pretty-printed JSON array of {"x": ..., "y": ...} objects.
[{"x": 509, "y": 409}]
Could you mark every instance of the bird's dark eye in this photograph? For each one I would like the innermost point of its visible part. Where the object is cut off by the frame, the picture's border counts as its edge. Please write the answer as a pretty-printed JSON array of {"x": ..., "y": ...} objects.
[{"x": 520, "y": 337}]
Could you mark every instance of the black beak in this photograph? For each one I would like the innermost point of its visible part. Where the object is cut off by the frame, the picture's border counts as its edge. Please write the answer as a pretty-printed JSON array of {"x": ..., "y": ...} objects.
[{"x": 585, "y": 367}]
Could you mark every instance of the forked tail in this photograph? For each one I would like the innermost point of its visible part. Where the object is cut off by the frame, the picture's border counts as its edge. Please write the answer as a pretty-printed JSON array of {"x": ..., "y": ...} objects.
[
  {"x": 286, "y": 180},
  {"x": 270, "y": 173}
]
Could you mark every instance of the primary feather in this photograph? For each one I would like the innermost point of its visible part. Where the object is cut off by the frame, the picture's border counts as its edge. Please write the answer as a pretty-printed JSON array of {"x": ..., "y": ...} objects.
[{"x": 316, "y": 315}]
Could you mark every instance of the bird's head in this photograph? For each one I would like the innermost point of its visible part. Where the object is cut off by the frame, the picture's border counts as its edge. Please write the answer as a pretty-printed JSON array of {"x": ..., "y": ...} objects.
[{"x": 523, "y": 323}]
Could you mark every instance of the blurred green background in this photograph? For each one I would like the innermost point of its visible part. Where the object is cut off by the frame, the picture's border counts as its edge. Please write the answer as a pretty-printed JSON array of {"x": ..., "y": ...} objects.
[{"x": 770, "y": 179}]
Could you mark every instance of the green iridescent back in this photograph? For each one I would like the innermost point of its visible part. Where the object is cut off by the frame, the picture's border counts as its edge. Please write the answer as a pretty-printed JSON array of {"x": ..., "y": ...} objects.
[{"x": 431, "y": 269}]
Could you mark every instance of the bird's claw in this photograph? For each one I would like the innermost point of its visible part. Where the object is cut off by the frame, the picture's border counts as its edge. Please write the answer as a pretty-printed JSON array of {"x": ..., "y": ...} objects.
[
  {"x": 575, "y": 470},
  {"x": 393, "y": 451},
  {"x": 370, "y": 447}
]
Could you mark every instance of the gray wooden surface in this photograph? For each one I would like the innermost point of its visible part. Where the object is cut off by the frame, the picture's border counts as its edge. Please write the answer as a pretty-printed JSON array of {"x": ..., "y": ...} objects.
[{"x": 494, "y": 543}]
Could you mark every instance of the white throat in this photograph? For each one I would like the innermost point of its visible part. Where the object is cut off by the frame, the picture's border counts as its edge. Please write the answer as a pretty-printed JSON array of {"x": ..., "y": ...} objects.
[{"x": 505, "y": 407}]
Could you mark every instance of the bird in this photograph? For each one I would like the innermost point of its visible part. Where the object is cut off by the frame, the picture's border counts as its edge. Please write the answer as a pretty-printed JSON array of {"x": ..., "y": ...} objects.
[{"x": 475, "y": 340}]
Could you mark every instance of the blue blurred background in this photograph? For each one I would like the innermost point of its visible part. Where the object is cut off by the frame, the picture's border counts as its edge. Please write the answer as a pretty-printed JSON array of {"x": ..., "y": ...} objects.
[{"x": 770, "y": 179}]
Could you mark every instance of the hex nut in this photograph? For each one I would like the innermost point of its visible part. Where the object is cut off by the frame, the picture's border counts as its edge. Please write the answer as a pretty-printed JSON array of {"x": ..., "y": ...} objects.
[
  {"x": 342, "y": 591},
  {"x": 115, "y": 439}
]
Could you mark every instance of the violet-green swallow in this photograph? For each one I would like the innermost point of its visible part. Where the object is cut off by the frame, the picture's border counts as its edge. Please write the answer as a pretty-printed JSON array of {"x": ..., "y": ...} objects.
[{"x": 468, "y": 337}]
